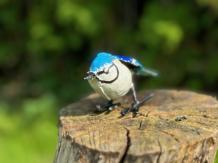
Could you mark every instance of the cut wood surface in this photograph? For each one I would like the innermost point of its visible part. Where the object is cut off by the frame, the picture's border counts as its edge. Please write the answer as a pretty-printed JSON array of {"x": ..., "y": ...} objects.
[{"x": 174, "y": 126}]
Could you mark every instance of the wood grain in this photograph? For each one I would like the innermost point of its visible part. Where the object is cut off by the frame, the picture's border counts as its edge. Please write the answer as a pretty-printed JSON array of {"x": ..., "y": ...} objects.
[{"x": 174, "y": 126}]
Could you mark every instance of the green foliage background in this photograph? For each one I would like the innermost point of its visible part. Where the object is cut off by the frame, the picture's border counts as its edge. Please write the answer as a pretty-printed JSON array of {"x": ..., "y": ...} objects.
[{"x": 47, "y": 45}]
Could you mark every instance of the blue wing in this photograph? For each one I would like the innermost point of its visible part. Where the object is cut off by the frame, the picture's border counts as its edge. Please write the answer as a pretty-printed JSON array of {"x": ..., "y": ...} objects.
[{"x": 136, "y": 66}]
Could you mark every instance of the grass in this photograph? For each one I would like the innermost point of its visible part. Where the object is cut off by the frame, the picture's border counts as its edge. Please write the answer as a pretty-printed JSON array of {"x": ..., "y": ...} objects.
[
  {"x": 35, "y": 143},
  {"x": 29, "y": 135},
  {"x": 216, "y": 159}
]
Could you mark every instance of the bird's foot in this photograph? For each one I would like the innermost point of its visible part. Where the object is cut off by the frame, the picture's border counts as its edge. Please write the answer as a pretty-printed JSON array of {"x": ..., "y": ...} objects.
[
  {"x": 108, "y": 107},
  {"x": 135, "y": 106},
  {"x": 134, "y": 109}
]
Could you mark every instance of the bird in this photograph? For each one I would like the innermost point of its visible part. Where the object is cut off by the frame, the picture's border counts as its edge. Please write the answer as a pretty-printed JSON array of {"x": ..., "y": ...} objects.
[{"x": 111, "y": 76}]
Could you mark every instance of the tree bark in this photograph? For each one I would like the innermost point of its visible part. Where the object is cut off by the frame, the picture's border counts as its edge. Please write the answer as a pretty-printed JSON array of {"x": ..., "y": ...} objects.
[{"x": 174, "y": 126}]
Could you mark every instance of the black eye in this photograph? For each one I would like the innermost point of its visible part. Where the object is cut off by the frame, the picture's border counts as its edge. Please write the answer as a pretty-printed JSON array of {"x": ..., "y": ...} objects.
[{"x": 100, "y": 72}]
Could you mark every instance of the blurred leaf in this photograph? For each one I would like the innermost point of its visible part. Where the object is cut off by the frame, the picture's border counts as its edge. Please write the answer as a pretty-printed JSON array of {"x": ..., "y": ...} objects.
[
  {"x": 40, "y": 30},
  {"x": 39, "y": 106},
  {"x": 212, "y": 3},
  {"x": 171, "y": 33},
  {"x": 70, "y": 13}
]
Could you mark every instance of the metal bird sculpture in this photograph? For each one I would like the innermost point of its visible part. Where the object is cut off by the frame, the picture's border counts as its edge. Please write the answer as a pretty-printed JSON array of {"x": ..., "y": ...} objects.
[{"x": 112, "y": 77}]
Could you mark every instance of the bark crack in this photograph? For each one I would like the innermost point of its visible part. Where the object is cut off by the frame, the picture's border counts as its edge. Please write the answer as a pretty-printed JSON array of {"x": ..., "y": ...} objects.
[
  {"x": 185, "y": 156},
  {"x": 128, "y": 143},
  {"x": 59, "y": 146},
  {"x": 140, "y": 125},
  {"x": 161, "y": 151}
]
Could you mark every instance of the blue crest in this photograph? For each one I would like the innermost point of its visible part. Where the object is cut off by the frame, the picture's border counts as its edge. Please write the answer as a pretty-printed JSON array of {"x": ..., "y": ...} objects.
[{"x": 100, "y": 61}]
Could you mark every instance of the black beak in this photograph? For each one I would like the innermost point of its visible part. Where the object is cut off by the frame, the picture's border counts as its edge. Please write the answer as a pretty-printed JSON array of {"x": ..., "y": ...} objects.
[{"x": 90, "y": 75}]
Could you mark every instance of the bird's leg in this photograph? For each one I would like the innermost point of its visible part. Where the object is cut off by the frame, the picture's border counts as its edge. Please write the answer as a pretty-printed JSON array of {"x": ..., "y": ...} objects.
[
  {"x": 108, "y": 107},
  {"x": 136, "y": 104}
]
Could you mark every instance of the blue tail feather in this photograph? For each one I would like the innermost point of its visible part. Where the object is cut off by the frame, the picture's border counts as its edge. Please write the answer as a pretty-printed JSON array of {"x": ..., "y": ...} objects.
[{"x": 138, "y": 67}]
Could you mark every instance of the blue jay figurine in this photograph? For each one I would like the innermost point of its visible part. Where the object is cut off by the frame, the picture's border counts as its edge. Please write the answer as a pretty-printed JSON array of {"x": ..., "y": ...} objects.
[{"x": 112, "y": 77}]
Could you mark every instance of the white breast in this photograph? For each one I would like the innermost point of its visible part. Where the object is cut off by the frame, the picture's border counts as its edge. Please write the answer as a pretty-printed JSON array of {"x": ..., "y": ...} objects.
[{"x": 122, "y": 81}]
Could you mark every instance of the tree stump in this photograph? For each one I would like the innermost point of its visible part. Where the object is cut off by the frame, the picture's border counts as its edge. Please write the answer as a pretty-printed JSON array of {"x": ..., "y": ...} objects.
[{"x": 174, "y": 126}]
